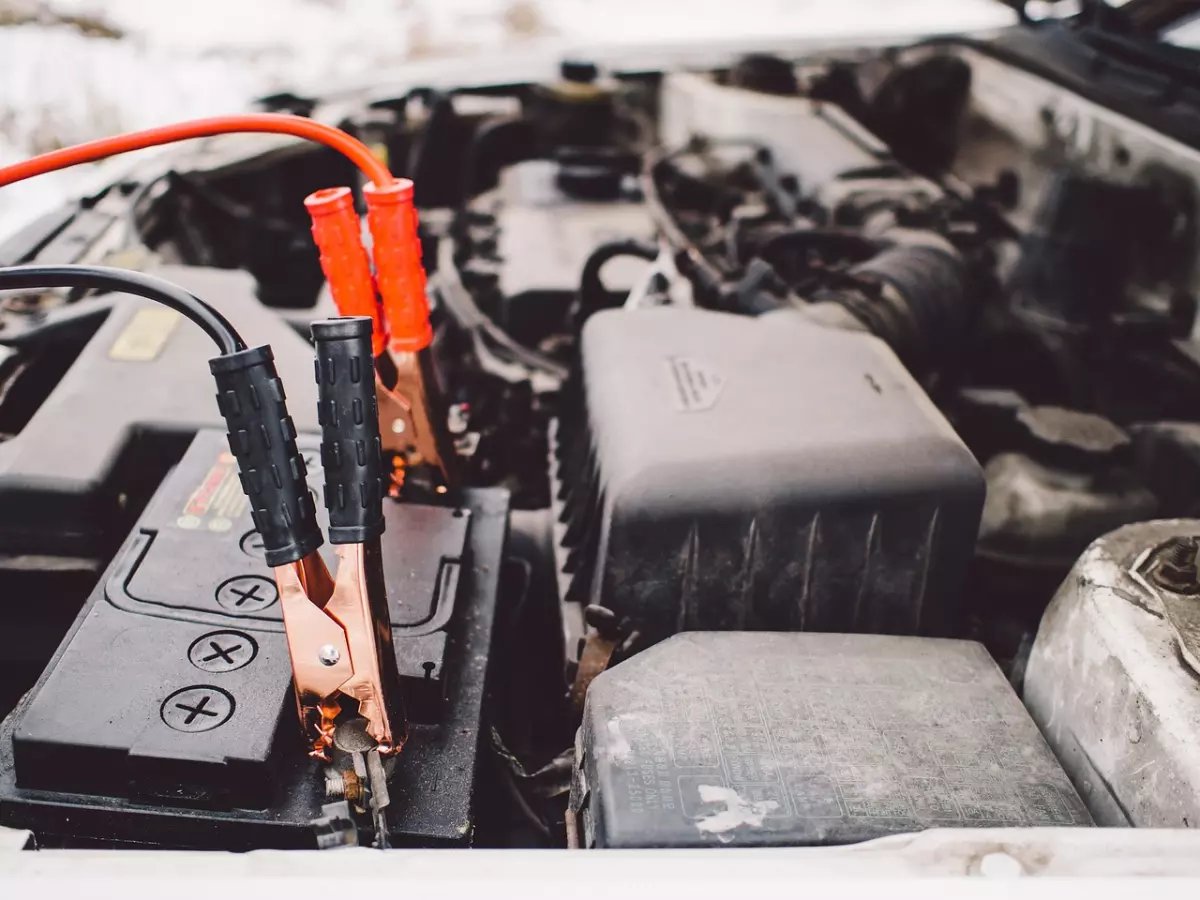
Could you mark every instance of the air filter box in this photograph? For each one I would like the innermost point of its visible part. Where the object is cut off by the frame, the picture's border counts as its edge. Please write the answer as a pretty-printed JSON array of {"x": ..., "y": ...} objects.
[
  {"x": 807, "y": 739},
  {"x": 720, "y": 472}
]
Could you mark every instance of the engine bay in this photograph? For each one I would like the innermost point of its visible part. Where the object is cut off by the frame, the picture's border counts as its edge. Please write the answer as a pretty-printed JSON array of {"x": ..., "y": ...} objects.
[{"x": 796, "y": 451}]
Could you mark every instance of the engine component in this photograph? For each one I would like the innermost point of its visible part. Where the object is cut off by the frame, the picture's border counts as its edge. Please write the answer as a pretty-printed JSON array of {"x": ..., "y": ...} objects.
[
  {"x": 530, "y": 209},
  {"x": 1046, "y": 507},
  {"x": 732, "y": 473},
  {"x": 765, "y": 74},
  {"x": 1039, "y": 515},
  {"x": 814, "y": 141},
  {"x": 1100, "y": 279},
  {"x": 819, "y": 210},
  {"x": 919, "y": 109},
  {"x": 1109, "y": 679},
  {"x": 1167, "y": 455},
  {"x": 167, "y": 716},
  {"x": 911, "y": 295},
  {"x": 834, "y": 158},
  {"x": 801, "y": 739},
  {"x": 1079, "y": 256},
  {"x": 576, "y": 110}
]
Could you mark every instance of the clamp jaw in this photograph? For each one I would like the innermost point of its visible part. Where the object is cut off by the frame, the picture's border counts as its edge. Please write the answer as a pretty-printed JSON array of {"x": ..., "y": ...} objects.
[
  {"x": 338, "y": 629},
  {"x": 372, "y": 364},
  {"x": 374, "y": 360}
]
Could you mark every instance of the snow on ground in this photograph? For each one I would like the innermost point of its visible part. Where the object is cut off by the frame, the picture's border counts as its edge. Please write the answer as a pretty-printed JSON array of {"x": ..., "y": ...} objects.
[{"x": 177, "y": 60}]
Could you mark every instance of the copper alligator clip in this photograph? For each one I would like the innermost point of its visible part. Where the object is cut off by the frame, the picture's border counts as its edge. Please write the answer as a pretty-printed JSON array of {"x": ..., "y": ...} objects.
[
  {"x": 412, "y": 413},
  {"x": 338, "y": 629},
  {"x": 339, "y": 645}
]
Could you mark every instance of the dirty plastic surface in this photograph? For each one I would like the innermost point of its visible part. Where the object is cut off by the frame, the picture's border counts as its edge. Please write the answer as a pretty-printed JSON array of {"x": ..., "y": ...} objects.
[{"x": 757, "y": 739}]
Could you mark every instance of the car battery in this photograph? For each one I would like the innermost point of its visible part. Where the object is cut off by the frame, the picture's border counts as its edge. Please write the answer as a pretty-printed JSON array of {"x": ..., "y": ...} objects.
[
  {"x": 167, "y": 716},
  {"x": 130, "y": 389}
]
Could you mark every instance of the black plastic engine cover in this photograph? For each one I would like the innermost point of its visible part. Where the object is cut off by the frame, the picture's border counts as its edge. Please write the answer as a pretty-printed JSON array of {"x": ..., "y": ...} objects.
[
  {"x": 530, "y": 210},
  {"x": 168, "y": 715},
  {"x": 727, "y": 473}
]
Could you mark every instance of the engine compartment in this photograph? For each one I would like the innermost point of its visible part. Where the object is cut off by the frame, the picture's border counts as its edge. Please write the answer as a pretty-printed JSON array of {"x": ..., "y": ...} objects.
[{"x": 869, "y": 345}]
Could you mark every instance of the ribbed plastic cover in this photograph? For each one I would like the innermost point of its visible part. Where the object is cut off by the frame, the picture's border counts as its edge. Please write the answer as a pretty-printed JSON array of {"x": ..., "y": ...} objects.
[{"x": 724, "y": 472}]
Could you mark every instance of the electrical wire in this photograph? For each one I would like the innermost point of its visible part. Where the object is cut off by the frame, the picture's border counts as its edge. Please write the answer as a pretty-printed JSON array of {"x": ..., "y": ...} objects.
[
  {"x": 103, "y": 278},
  {"x": 215, "y": 200},
  {"x": 474, "y": 153},
  {"x": 692, "y": 262},
  {"x": 271, "y": 123},
  {"x": 462, "y": 308},
  {"x": 140, "y": 196},
  {"x": 593, "y": 295}
]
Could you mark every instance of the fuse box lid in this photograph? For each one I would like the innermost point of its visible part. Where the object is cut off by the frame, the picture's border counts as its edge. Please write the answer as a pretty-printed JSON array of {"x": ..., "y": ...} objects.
[{"x": 754, "y": 739}]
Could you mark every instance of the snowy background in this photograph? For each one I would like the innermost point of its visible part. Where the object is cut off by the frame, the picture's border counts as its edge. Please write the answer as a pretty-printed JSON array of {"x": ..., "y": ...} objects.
[{"x": 73, "y": 70}]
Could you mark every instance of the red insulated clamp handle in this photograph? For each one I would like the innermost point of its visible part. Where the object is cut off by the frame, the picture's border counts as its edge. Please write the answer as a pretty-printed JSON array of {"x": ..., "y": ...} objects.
[
  {"x": 338, "y": 236},
  {"x": 392, "y": 219}
]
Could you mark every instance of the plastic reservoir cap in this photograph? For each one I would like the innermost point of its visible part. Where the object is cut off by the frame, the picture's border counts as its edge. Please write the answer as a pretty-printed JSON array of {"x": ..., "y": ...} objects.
[
  {"x": 579, "y": 71},
  {"x": 338, "y": 236},
  {"x": 1072, "y": 439},
  {"x": 398, "y": 272}
]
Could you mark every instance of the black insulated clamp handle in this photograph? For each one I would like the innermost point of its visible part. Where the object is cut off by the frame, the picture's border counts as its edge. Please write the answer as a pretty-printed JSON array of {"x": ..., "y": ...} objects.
[
  {"x": 263, "y": 438},
  {"x": 350, "y": 447}
]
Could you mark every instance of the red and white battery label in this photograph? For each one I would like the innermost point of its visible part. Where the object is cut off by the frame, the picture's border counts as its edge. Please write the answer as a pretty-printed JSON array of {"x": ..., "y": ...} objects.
[{"x": 218, "y": 500}]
